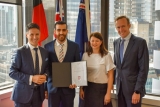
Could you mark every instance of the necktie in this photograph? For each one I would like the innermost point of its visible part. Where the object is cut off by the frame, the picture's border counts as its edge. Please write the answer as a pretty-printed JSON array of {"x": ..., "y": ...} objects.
[
  {"x": 36, "y": 62},
  {"x": 121, "y": 49},
  {"x": 61, "y": 54}
]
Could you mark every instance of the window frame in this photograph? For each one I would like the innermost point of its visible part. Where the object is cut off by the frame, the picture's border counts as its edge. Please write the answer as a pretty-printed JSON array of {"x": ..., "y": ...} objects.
[{"x": 19, "y": 25}]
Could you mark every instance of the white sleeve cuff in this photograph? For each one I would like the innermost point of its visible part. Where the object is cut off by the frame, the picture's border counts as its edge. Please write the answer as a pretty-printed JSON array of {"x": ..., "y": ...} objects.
[{"x": 30, "y": 79}]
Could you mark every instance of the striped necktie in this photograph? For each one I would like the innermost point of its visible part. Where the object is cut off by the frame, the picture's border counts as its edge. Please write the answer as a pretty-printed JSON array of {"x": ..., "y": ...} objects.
[{"x": 61, "y": 53}]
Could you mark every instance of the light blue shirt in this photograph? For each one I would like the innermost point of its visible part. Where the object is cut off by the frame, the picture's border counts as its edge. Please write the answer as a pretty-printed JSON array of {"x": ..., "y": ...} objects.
[{"x": 127, "y": 38}]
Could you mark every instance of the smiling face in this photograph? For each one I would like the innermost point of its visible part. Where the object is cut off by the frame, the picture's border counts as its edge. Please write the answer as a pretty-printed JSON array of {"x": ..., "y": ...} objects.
[
  {"x": 122, "y": 27},
  {"x": 33, "y": 36},
  {"x": 61, "y": 32},
  {"x": 95, "y": 43}
]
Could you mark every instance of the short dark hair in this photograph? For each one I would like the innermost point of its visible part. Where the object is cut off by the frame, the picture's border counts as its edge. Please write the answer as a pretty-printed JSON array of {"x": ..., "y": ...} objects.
[
  {"x": 60, "y": 23},
  {"x": 121, "y": 17},
  {"x": 31, "y": 26},
  {"x": 103, "y": 51}
]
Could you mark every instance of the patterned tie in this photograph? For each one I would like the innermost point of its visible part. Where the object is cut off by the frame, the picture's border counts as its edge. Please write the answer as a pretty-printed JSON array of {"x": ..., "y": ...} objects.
[
  {"x": 121, "y": 49},
  {"x": 61, "y": 54},
  {"x": 36, "y": 62}
]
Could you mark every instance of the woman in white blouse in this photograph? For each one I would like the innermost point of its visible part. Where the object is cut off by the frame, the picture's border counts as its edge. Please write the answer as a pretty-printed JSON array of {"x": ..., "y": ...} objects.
[{"x": 100, "y": 71}]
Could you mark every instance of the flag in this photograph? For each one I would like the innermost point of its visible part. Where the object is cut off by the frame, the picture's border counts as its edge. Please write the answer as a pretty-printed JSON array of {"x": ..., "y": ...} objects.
[
  {"x": 81, "y": 31},
  {"x": 38, "y": 17},
  {"x": 59, "y": 16}
]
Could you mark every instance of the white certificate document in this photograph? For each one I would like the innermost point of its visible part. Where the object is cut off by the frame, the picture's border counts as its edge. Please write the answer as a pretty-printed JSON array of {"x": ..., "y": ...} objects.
[{"x": 79, "y": 73}]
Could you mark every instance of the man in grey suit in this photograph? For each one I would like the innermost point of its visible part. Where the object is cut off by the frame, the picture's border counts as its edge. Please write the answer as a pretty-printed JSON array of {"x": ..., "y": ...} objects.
[
  {"x": 132, "y": 65},
  {"x": 61, "y": 95},
  {"x": 28, "y": 68}
]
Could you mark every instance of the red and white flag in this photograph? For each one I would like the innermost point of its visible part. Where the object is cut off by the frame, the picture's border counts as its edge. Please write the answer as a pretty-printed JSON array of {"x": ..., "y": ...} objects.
[{"x": 59, "y": 15}]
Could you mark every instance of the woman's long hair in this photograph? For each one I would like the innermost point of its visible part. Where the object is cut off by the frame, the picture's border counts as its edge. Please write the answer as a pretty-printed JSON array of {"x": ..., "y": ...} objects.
[{"x": 103, "y": 51}]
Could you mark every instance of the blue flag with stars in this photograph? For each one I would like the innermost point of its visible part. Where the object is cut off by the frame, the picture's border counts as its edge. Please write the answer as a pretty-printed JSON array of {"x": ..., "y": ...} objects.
[{"x": 81, "y": 30}]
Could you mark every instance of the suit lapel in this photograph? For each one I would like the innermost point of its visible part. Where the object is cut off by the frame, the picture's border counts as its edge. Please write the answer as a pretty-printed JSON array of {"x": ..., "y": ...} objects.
[
  {"x": 129, "y": 47},
  {"x": 118, "y": 44},
  {"x": 53, "y": 47},
  {"x": 43, "y": 60},
  {"x": 29, "y": 57},
  {"x": 67, "y": 51}
]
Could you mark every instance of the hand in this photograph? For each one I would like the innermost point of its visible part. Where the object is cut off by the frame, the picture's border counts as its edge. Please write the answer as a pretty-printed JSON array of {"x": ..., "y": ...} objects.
[
  {"x": 39, "y": 79},
  {"x": 107, "y": 98},
  {"x": 46, "y": 95},
  {"x": 81, "y": 93},
  {"x": 135, "y": 98},
  {"x": 72, "y": 86}
]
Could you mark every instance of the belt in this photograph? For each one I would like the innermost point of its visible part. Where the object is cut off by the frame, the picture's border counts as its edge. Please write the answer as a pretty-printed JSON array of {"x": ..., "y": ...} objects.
[{"x": 36, "y": 88}]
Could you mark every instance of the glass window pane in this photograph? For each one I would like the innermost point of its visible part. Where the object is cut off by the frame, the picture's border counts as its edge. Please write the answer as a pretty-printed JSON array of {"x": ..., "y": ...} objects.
[{"x": 8, "y": 41}]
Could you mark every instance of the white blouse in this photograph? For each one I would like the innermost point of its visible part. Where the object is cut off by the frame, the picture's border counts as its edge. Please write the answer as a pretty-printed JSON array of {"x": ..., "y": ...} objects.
[{"x": 98, "y": 67}]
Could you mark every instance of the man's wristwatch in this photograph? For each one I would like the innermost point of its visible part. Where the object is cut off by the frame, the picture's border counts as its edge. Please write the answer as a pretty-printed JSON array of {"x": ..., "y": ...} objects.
[
  {"x": 137, "y": 92},
  {"x": 45, "y": 74}
]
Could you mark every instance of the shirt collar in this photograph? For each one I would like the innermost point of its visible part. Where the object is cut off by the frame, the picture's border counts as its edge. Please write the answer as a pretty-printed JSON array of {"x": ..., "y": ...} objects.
[
  {"x": 31, "y": 46},
  {"x": 127, "y": 37},
  {"x": 57, "y": 43}
]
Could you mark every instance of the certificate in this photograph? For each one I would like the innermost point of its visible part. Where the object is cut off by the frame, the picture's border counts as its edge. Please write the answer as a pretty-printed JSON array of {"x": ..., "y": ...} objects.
[
  {"x": 79, "y": 73},
  {"x": 67, "y": 73}
]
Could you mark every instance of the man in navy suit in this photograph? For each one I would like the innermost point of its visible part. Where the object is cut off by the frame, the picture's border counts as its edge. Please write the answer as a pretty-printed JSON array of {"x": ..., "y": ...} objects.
[
  {"x": 28, "y": 68},
  {"x": 61, "y": 95},
  {"x": 132, "y": 65}
]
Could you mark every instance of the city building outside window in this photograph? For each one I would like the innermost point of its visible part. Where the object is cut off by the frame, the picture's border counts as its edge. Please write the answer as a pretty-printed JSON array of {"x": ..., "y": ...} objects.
[{"x": 8, "y": 41}]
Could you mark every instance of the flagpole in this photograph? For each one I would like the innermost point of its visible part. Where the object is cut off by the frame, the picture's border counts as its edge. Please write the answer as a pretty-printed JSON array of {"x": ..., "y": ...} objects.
[{"x": 88, "y": 25}]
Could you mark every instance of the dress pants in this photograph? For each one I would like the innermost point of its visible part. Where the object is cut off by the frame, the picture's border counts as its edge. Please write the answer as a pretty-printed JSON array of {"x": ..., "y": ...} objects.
[
  {"x": 60, "y": 99},
  {"x": 124, "y": 102},
  {"x": 35, "y": 101}
]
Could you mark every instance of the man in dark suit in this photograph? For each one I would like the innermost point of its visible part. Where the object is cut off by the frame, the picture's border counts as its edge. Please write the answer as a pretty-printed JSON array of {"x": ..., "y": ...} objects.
[
  {"x": 28, "y": 68},
  {"x": 61, "y": 95},
  {"x": 132, "y": 65}
]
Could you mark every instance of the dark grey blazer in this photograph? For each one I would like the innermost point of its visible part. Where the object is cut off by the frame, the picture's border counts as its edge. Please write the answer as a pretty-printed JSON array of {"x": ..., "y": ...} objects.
[
  {"x": 135, "y": 66},
  {"x": 21, "y": 68},
  {"x": 72, "y": 55}
]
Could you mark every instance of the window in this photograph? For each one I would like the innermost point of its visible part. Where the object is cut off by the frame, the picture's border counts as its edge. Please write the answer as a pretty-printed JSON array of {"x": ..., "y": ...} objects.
[{"x": 8, "y": 40}]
